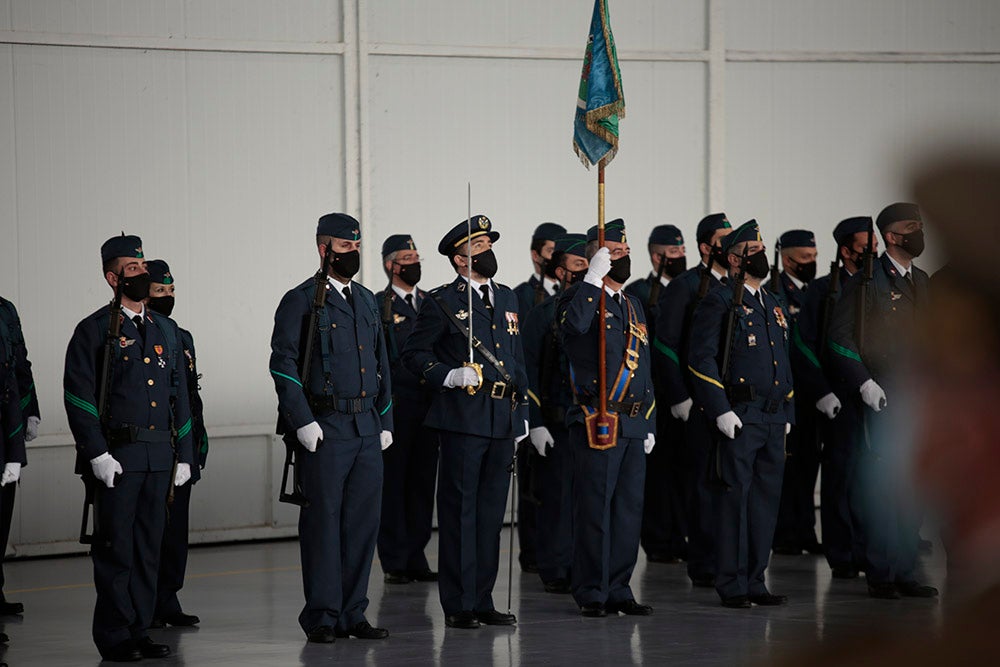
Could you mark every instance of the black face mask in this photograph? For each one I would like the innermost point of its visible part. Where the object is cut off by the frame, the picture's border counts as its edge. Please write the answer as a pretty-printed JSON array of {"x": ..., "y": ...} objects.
[
  {"x": 913, "y": 243},
  {"x": 576, "y": 276},
  {"x": 672, "y": 267},
  {"x": 136, "y": 287},
  {"x": 621, "y": 269},
  {"x": 346, "y": 264},
  {"x": 485, "y": 263},
  {"x": 718, "y": 257},
  {"x": 549, "y": 269},
  {"x": 409, "y": 273},
  {"x": 164, "y": 305},
  {"x": 757, "y": 265},
  {"x": 805, "y": 271}
]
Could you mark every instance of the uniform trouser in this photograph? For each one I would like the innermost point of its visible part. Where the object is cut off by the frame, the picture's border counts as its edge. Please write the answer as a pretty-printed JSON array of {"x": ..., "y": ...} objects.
[
  {"x": 663, "y": 521},
  {"x": 555, "y": 513},
  {"x": 746, "y": 513},
  {"x": 527, "y": 504},
  {"x": 839, "y": 511},
  {"x": 607, "y": 517},
  {"x": 797, "y": 511},
  {"x": 410, "y": 472},
  {"x": 173, "y": 553},
  {"x": 473, "y": 482},
  {"x": 7, "y": 494},
  {"x": 131, "y": 517},
  {"x": 699, "y": 499},
  {"x": 342, "y": 480}
]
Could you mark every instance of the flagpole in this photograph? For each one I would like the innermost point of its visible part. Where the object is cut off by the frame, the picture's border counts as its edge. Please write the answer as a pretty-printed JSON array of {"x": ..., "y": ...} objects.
[{"x": 602, "y": 343}]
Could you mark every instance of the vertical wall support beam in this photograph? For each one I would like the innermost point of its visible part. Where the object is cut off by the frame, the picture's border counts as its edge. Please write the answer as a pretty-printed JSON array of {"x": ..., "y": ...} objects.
[{"x": 716, "y": 167}]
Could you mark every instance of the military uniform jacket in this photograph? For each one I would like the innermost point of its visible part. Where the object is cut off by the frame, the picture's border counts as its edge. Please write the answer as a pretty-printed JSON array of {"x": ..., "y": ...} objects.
[
  {"x": 527, "y": 293},
  {"x": 673, "y": 328},
  {"x": 402, "y": 318},
  {"x": 759, "y": 362},
  {"x": 823, "y": 378},
  {"x": 550, "y": 395},
  {"x": 577, "y": 310},
  {"x": 891, "y": 310},
  {"x": 148, "y": 395},
  {"x": 349, "y": 362},
  {"x": 22, "y": 367},
  {"x": 199, "y": 437},
  {"x": 793, "y": 300},
  {"x": 11, "y": 422},
  {"x": 435, "y": 347}
]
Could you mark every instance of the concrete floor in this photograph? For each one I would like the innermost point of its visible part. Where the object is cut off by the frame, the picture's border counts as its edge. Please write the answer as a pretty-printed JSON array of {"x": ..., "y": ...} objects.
[{"x": 249, "y": 596}]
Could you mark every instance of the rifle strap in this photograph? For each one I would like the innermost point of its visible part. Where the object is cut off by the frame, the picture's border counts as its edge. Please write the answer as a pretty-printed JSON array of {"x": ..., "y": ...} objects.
[{"x": 476, "y": 343}]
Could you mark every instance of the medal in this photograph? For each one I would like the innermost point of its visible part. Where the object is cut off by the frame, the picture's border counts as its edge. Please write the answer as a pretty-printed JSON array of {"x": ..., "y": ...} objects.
[
  {"x": 752, "y": 340},
  {"x": 512, "y": 326}
]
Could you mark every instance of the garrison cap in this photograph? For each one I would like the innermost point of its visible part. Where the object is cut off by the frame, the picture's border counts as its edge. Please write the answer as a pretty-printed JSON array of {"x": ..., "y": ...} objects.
[
  {"x": 748, "y": 231},
  {"x": 398, "y": 242},
  {"x": 339, "y": 226},
  {"x": 571, "y": 244},
  {"x": 896, "y": 212},
  {"x": 159, "y": 272},
  {"x": 666, "y": 235},
  {"x": 548, "y": 231},
  {"x": 709, "y": 225},
  {"x": 121, "y": 246},
  {"x": 846, "y": 229},
  {"x": 459, "y": 234},
  {"x": 613, "y": 231},
  {"x": 797, "y": 238}
]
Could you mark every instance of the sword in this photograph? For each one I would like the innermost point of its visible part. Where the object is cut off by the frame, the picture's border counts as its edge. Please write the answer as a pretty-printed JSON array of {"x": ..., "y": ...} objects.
[{"x": 471, "y": 363}]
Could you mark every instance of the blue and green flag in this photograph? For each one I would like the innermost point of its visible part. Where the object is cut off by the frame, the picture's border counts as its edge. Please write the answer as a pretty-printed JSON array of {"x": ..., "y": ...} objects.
[{"x": 601, "y": 101}]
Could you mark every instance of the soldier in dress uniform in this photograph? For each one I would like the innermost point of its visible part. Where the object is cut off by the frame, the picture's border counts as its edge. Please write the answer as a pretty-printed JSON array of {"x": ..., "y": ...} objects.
[
  {"x": 549, "y": 398},
  {"x": 410, "y": 465},
  {"x": 174, "y": 550},
  {"x": 127, "y": 453},
  {"x": 542, "y": 284},
  {"x": 10, "y": 328},
  {"x": 897, "y": 292},
  {"x": 479, "y": 418},
  {"x": 663, "y": 523},
  {"x": 750, "y": 403},
  {"x": 796, "y": 529},
  {"x": 673, "y": 329},
  {"x": 12, "y": 432},
  {"x": 608, "y": 483},
  {"x": 342, "y": 421}
]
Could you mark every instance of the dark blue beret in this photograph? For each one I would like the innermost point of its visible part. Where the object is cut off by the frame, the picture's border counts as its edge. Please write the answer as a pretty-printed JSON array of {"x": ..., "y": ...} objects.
[
  {"x": 613, "y": 231},
  {"x": 459, "y": 234},
  {"x": 797, "y": 238},
  {"x": 845, "y": 230},
  {"x": 708, "y": 226},
  {"x": 748, "y": 231},
  {"x": 121, "y": 246},
  {"x": 339, "y": 226},
  {"x": 548, "y": 231},
  {"x": 398, "y": 242},
  {"x": 666, "y": 235},
  {"x": 159, "y": 272},
  {"x": 896, "y": 212},
  {"x": 572, "y": 244}
]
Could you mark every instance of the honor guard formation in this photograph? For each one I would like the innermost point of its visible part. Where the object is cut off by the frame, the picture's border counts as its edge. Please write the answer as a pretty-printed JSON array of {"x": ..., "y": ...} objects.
[{"x": 688, "y": 412}]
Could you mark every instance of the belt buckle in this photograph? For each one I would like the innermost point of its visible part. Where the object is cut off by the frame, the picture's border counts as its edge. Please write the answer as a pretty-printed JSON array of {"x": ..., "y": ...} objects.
[
  {"x": 498, "y": 389},
  {"x": 634, "y": 411},
  {"x": 356, "y": 405}
]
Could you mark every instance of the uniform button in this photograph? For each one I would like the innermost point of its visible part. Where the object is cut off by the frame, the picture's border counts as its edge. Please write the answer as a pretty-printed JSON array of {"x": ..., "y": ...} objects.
[
  {"x": 775, "y": 383},
  {"x": 494, "y": 326},
  {"x": 125, "y": 358},
  {"x": 333, "y": 326},
  {"x": 146, "y": 360},
  {"x": 609, "y": 326},
  {"x": 152, "y": 404},
  {"x": 742, "y": 380},
  {"x": 361, "y": 347},
  {"x": 772, "y": 343},
  {"x": 776, "y": 363},
  {"x": 498, "y": 346},
  {"x": 152, "y": 428},
  {"x": 749, "y": 324},
  {"x": 365, "y": 393},
  {"x": 590, "y": 299},
  {"x": 363, "y": 370},
  {"x": 501, "y": 363},
  {"x": 150, "y": 382}
]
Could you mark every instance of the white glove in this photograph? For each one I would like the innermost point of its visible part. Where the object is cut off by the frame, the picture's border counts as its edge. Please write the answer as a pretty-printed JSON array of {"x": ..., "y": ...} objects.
[
  {"x": 105, "y": 466},
  {"x": 729, "y": 424},
  {"x": 873, "y": 395},
  {"x": 310, "y": 435},
  {"x": 540, "y": 437},
  {"x": 600, "y": 265},
  {"x": 682, "y": 410},
  {"x": 11, "y": 473},
  {"x": 829, "y": 405},
  {"x": 461, "y": 377},
  {"x": 183, "y": 474},
  {"x": 385, "y": 439},
  {"x": 788, "y": 429},
  {"x": 31, "y": 430},
  {"x": 518, "y": 439},
  {"x": 649, "y": 442}
]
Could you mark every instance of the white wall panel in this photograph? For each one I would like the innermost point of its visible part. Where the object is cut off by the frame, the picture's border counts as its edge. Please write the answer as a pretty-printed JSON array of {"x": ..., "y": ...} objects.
[
  {"x": 5, "y": 14},
  {"x": 269, "y": 20},
  {"x": 160, "y": 18},
  {"x": 10, "y": 251},
  {"x": 863, "y": 25}
]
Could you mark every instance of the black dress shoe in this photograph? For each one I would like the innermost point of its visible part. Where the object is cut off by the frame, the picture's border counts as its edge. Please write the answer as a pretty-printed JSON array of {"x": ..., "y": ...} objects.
[
  {"x": 703, "y": 581},
  {"x": 397, "y": 578},
  {"x": 736, "y": 602},
  {"x": 914, "y": 589},
  {"x": 787, "y": 549},
  {"x": 629, "y": 608},
  {"x": 465, "y": 620},
  {"x": 557, "y": 586},
  {"x": 768, "y": 600},
  {"x": 126, "y": 651},
  {"x": 149, "y": 649},
  {"x": 363, "y": 630},
  {"x": 593, "y": 610},
  {"x": 180, "y": 620},
  {"x": 883, "y": 591},
  {"x": 322, "y": 635},
  {"x": 11, "y": 608},
  {"x": 845, "y": 572},
  {"x": 662, "y": 558},
  {"x": 494, "y": 617},
  {"x": 423, "y": 575}
]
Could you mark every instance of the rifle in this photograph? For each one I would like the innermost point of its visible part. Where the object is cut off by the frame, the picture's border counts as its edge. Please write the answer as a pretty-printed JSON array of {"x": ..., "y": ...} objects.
[
  {"x": 90, "y": 499},
  {"x": 775, "y": 282},
  {"x": 296, "y": 497},
  {"x": 826, "y": 316},
  {"x": 867, "y": 275},
  {"x": 654, "y": 289}
]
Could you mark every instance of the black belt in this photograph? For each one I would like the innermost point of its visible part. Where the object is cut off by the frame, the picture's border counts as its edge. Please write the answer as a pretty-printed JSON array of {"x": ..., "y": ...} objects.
[
  {"x": 499, "y": 389},
  {"x": 746, "y": 394},
  {"x": 129, "y": 433},
  {"x": 321, "y": 405},
  {"x": 627, "y": 409}
]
